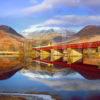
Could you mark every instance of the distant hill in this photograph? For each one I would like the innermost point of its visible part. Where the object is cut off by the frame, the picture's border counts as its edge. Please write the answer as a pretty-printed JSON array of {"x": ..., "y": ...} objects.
[
  {"x": 62, "y": 38},
  {"x": 43, "y": 37},
  {"x": 9, "y": 30},
  {"x": 42, "y": 32},
  {"x": 10, "y": 41},
  {"x": 89, "y": 30},
  {"x": 9, "y": 38},
  {"x": 89, "y": 33}
]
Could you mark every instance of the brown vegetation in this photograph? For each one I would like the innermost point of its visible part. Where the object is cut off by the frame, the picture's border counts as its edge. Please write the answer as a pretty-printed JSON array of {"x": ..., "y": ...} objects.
[{"x": 10, "y": 42}]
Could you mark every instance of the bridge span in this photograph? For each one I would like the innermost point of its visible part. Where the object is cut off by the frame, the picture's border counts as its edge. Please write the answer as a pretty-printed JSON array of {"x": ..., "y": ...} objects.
[{"x": 81, "y": 57}]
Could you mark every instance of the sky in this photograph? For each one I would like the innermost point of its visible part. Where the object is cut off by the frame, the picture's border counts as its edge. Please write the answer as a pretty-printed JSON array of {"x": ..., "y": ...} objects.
[{"x": 31, "y": 15}]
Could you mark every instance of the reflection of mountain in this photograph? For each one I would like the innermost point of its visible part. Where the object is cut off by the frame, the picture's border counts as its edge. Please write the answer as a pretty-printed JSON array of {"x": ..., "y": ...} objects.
[
  {"x": 64, "y": 73},
  {"x": 43, "y": 74},
  {"x": 7, "y": 75},
  {"x": 71, "y": 82},
  {"x": 10, "y": 41}
]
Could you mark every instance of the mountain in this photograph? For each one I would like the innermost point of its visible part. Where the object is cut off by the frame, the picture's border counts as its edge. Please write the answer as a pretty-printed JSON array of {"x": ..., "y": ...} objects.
[
  {"x": 9, "y": 36},
  {"x": 90, "y": 33},
  {"x": 62, "y": 38},
  {"x": 9, "y": 30},
  {"x": 45, "y": 36},
  {"x": 47, "y": 31},
  {"x": 89, "y": 30},
  {"x": 10, "y": 41}
]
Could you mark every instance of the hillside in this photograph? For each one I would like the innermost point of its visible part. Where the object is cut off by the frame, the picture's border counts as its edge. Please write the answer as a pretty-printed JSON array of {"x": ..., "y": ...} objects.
[
  {"x": 89, "y": 33},
  {"x": 9, "y": 30},
  {"x": 89, "y": 30},
  {"x": 46, "y": 36},
  {"x": 10, "y": 42}
]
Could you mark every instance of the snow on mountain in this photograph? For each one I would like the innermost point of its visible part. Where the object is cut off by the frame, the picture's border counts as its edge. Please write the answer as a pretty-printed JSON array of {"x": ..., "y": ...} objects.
[{"x": 45, "y": 30}]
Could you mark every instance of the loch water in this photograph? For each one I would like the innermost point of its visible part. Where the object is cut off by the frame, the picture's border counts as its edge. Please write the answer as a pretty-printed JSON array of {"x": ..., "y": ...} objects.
[{"x": 44, "y": 86}]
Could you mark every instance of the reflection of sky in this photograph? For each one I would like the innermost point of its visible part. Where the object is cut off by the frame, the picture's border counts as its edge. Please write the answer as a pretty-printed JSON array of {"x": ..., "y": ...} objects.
[
  {"x": 28, "y": 81},
  {"x": 20, "y": 83},
  {"x": 67, "y": 86},
  {"x": 70, "y": 76},
  {"x": 72, "y": 81}
]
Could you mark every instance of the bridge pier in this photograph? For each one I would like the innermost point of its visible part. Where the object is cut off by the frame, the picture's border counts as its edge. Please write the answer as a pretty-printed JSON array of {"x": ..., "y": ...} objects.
[
  {"x": 36, "y": 54},
  {"x": 56, "y": 55},
  {"x": 92, "y": 56},
  {"x": 45, "y": 54},
  {"x": 72, "y": 55},
  {"x": 83, "y": 57}
]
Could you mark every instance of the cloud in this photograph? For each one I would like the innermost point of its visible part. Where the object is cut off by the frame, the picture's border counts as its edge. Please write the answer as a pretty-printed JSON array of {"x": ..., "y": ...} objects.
[
  {"x": 90, "y": 2},
  {"x": 31, "y": 28},
  {"x": 38, "y": 6},
  {"x": 72, "y": 82},
  {"x": 38, "y": 28},
  {"x": 73, "y": 20},
  {"x": 92, "y": 6},
  {"x": 66, "y": 21},
  {"x": 48, "y": 5}
]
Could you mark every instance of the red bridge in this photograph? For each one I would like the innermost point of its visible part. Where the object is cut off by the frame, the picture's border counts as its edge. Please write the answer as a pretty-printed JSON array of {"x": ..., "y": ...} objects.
[{"x": 82, "y": 57}]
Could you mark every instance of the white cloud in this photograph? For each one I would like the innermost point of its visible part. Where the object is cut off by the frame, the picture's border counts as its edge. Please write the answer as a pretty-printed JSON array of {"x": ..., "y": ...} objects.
[
  {"x": 39, "y": 27},
  {"x": 90, "y": 2},
  {"x": 49, "y": 4},
  {"x": 38, "y": 7},
  {"x": 73, "y": 22},
  {"x": 71, "y": 82}
]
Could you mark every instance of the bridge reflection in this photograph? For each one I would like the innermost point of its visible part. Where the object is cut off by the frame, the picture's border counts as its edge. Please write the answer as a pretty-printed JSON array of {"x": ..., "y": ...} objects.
[
  {"x": 87, "y": 71},
  {"x": 82, "y": 57}
]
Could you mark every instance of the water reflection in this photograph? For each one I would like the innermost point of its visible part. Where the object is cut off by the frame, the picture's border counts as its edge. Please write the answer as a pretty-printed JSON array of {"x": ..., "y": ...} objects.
[
  {"x": 8, "y": 74},
  {"x": 49, "y": 68},
  {"x": 40, "y": 78},
  {"x": 63, "y": 87}
]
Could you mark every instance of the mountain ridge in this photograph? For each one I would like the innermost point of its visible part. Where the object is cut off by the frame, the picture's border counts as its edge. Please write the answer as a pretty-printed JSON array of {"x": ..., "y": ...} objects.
[
  {"x": 89, "y": 31},
  {"x": 9, "y": 30}
]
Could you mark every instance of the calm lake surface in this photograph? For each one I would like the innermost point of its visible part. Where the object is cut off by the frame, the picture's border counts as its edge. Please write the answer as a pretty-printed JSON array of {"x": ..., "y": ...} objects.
[{"x": 50, "y": 87}]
